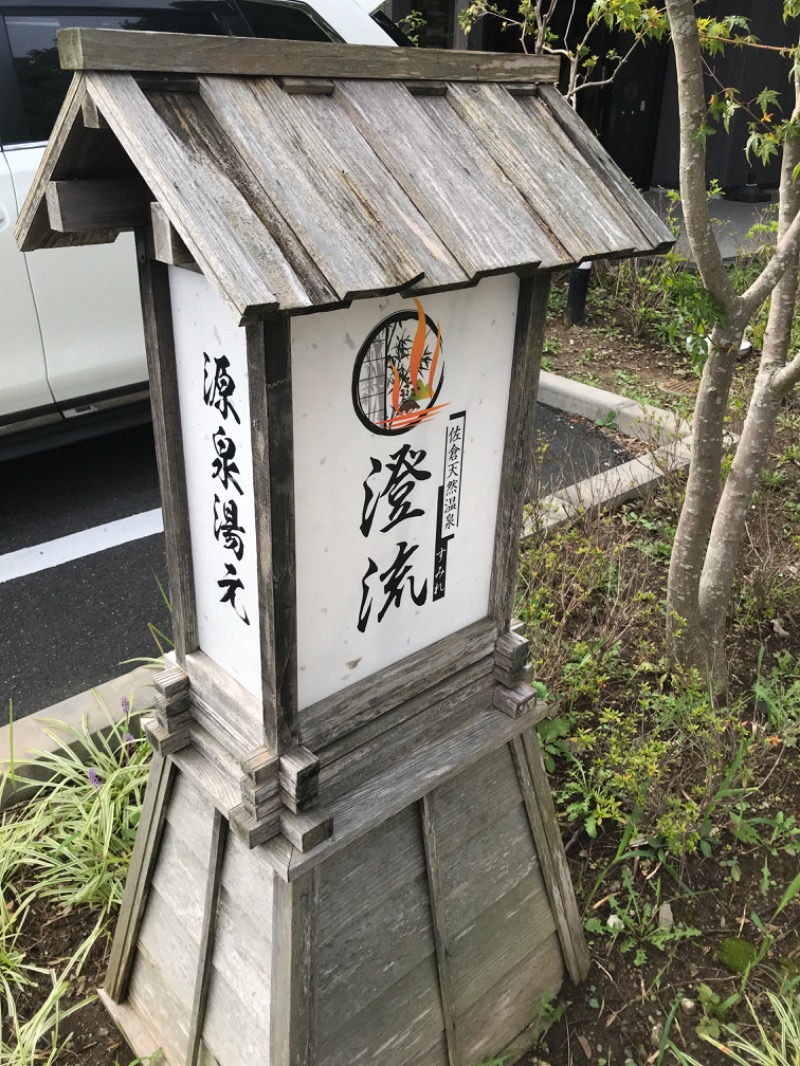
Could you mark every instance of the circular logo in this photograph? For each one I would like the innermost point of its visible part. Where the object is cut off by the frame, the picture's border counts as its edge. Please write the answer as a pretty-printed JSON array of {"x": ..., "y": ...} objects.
[{"x": 398, "y": 373}]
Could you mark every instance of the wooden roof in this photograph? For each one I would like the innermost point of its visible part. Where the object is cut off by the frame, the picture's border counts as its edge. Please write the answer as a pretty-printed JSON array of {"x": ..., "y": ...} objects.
[{"x": 300, "y": 175}]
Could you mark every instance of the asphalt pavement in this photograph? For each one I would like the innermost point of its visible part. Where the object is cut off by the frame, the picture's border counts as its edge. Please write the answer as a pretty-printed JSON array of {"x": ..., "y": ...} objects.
[{"x": 82, "y": 563}]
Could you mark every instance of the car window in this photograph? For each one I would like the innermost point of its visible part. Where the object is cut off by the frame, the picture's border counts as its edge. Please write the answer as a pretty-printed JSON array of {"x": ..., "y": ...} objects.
[
  {"x": 284, "y": 22},
  {"x": 42, "y": 84}
]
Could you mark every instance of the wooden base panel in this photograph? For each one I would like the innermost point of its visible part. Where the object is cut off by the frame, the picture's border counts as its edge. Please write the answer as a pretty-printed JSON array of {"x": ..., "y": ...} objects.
[{"x": 430, "y": 934}]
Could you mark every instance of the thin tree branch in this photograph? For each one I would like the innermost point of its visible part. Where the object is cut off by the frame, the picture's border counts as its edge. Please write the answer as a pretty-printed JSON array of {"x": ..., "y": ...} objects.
[
  {"x": 787, "y": 377},
  {"x": 691, "y": 93},
  {"x": 772, "y": 273}
]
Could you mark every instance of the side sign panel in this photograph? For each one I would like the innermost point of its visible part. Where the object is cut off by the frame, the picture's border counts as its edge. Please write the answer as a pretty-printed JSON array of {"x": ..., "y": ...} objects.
[
  {"x": 211, "y": 358},
  {"x": 400, "y": 409}
]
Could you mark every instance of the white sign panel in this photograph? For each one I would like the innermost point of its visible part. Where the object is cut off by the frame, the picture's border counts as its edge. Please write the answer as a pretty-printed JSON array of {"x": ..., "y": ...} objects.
[
  {"x": 211, "y": 358},
  {"x": 400, "y": 410}
]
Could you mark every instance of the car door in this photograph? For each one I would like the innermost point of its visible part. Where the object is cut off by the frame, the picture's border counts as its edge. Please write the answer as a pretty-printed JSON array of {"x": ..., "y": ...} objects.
[{"x": 24, "y": 393}]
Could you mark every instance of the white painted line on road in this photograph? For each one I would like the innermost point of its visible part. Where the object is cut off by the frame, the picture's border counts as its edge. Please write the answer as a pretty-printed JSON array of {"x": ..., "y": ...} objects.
[{"x": 77, "y": 545}]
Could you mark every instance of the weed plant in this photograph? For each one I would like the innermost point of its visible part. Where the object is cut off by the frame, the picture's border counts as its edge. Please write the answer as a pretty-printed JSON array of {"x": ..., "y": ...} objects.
[
  {"x": 652, "y": 773},
  {"x": 70, "y": 844}
]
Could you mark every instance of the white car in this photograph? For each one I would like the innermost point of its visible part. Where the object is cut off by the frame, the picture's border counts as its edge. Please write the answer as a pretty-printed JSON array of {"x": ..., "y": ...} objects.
[{"x": 72, "y": 356}]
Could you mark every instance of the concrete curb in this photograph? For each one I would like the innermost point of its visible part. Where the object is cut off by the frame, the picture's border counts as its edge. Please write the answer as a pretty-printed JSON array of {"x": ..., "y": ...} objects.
[
  {"x": 26, "y": 739},
  {"x": 665, "y": 430},
  {"x": 669, "y": 434}
]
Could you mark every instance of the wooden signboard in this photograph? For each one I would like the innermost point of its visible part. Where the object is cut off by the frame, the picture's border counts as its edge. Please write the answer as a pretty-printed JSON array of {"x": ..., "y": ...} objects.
[{"x": 348, "y": 852}]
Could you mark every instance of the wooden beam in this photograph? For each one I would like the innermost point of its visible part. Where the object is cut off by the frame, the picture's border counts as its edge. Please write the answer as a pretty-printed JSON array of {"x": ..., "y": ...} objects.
[
  {"x": 440, "y": 933},
  {"x": 140, "y": 873},
  {"x": 92, "y": 119},
  {"x": 270, "y": 381},
  {"x": 208, "y": 934},
  {"x": 91, "y": 49},
  {"x": 550, "y": 849},
  {"x": 292, "y": 990},
  {"x": 518, "y": 449},
  {"x": 88, "y": 206},
  {"x": 160, "y": 347},
  {"x": 168, "y": 246}
]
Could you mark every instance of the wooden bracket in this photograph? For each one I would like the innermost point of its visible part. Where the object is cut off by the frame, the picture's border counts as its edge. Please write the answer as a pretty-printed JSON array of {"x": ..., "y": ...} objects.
[
  {"x": 92, "y": 119},
  {"x": 306, "y": 829},
  {"x": 170, "y": 729},
  {"x": 168, "y": 246},
  {"x": 510, "y": 659},
  {"x": 258, "y": 817},
  {"x": 88, "y": 206},
  {"x": 427, "y": 88},
  {"x": 299, "y": 779},
  {"x": 307, "y": 86},
  {"x": 515, "y": 700}
]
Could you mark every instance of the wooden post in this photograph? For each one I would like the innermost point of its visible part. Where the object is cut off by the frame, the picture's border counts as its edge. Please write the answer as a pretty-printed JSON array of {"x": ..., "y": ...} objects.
[
  {"x": 293, "y": 944},
  {"x": 518, "y": 453},
  {"x": 159, "y": 342},
  {"x": 270, "y": 376}
]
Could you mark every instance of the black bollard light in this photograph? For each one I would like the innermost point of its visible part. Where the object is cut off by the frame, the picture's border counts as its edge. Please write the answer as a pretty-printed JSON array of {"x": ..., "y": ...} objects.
[{"x": 576, "y": 295}]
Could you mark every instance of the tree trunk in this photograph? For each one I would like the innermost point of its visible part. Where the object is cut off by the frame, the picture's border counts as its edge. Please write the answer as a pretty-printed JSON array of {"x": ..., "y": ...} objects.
[{"x": 713, "y": 519}]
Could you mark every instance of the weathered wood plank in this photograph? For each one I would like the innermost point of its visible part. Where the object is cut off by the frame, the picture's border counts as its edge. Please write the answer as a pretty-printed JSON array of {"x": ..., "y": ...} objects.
[
  {"x": 333, "y": 717},
  {"x": 132, "y": 1027},
  {"x": 524, "y": 147},
  {"x": 492, "y": 946},
  {"x": 247, "y": 880},
  {"x": 191, "y": 814},
  {"x": 476, "y": 799},
  {"x": 98, "y": 204},
  {"x": 214, "y": 694},
  {"x": 544, "y": 826},
  {"x": 32, "y": 227},
  {"x": 486, "y": 868},
  {"x": 656, "y": 237},
  {"x": 517, "y": 452},
  {"x": 325, "y": 204},
  {"x": 208, "y": 932},
  {"x": 244, "y": 940},
  {"x": 167, "y": 245},
  {"x": 90, "y": 49},
  {"x": 455, "y": 688},
  {"x": 395, "y": 745},
  {"x": 152, "y": 1000},
  {"x": 180, "y": 873},
  {"x": 375, "y": 868},
  {"x": 385, "y": 795},
  {"x": 507, "y": 1009},
  {"x": 394, "y": 1028},
  {"x": 435, "y": 159},
  {"x": 187, "y": 116},
  {"x": 140, "y": 872},
  {"x": 207, "y": 778},
  {"x": 237, "y": 1030},
  {"x": 233, "y": 250},
  {"x": 171, "y": 943},
  {"x": 160, "y": 347},
  {"x": 292, "y": 1009},
  {"x": 332, "y": 203},
  {"x": 269, "y": 370},
  {"x": 372, "y": 952},
  {"x": 441, "y": 934}
]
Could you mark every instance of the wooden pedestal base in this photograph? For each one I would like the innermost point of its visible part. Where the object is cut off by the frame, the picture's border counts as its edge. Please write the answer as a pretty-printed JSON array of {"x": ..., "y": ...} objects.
[{"x": 425, "y": 932}]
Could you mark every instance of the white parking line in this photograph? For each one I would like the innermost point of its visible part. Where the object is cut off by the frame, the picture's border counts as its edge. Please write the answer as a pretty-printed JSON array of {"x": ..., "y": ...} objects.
[{"x": 77, "y": 545}]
